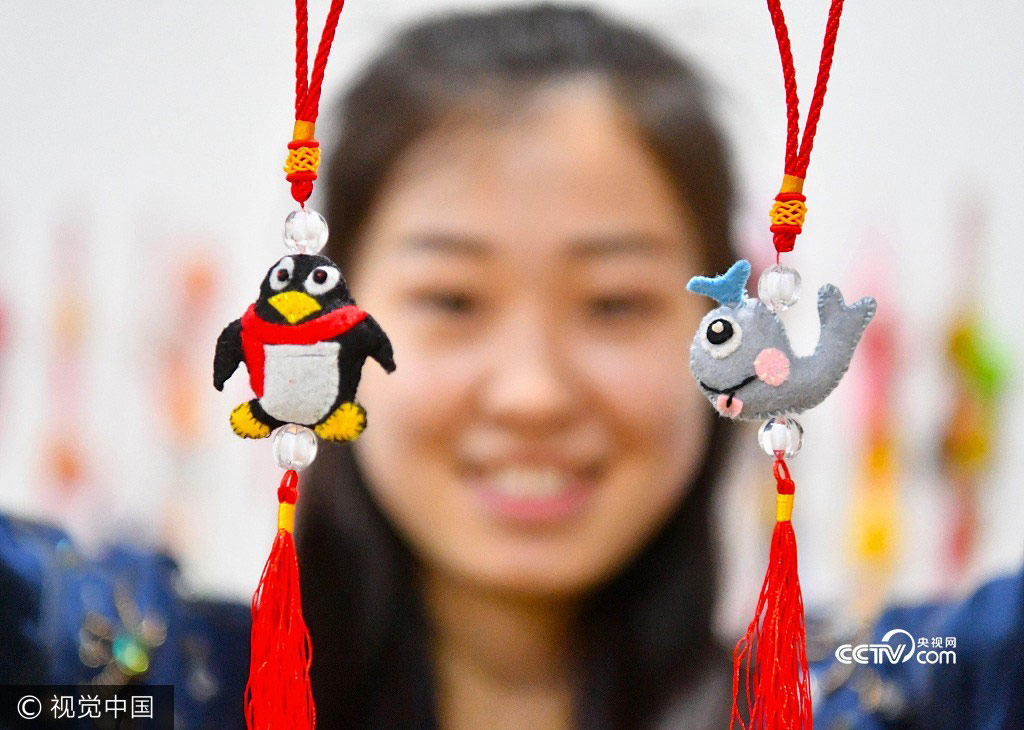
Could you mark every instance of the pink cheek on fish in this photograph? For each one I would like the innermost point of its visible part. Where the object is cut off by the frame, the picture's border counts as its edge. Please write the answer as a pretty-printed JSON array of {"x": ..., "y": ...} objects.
[{"x": 772, "y": 366}]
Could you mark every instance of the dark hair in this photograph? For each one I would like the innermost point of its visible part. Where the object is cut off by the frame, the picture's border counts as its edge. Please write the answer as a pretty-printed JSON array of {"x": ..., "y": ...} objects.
[{"x": 645, "y": 636}]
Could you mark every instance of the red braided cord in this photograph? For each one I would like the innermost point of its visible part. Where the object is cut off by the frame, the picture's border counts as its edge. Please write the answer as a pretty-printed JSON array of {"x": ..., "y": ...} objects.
[
  {"x": 789, "y": 76},
  {"x": 798, "y": 153},
  {"x": 301, "y": 53},
  {"x": 307, "y": 98},
  {"x": 818, "y": 100}
]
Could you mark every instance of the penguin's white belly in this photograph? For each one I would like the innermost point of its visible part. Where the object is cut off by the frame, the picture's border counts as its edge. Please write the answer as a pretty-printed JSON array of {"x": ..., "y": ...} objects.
[{"x": 300, "y": 382}]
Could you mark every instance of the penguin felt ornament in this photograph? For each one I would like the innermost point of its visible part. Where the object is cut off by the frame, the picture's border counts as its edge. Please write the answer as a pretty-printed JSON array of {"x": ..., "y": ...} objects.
[{"x": 304, "y": 342}]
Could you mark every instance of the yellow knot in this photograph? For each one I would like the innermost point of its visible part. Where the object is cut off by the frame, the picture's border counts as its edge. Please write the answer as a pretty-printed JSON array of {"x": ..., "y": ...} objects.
[
  {"x": 791, "y": 184},
  {"x": 783, "y": 507},
  {"x": 303, "y": 130},
  {"x": 286, "y": 517}
]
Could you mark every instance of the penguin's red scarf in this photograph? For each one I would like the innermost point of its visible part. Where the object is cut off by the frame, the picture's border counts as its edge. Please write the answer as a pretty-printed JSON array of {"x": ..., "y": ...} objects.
[{"x": 258, "y": 332}]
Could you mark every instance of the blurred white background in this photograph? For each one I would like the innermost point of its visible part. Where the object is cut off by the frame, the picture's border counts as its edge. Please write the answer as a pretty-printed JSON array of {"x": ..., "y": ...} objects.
[{"x": 142, "y": 199}]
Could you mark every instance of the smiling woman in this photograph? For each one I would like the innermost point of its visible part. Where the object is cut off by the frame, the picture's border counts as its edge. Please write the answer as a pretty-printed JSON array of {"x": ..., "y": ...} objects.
[
  {"x": 522, "y": 538},
  {"x": 538, "y": 347}
]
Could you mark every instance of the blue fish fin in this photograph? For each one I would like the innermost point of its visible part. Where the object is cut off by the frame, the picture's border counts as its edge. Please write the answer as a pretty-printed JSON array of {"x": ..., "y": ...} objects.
[{"x": 725, "y": 289}]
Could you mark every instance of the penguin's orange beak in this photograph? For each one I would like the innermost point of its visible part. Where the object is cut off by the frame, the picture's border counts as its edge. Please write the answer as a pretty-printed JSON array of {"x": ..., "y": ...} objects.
[{"x": 294, "y": 305}]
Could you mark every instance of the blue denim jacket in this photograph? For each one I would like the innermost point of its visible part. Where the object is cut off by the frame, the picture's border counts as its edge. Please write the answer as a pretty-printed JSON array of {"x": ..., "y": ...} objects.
[
  {"x": 122, "y": 618},
  {"x": 125, "y": 617},
  {"x": 976, "y": 685}
]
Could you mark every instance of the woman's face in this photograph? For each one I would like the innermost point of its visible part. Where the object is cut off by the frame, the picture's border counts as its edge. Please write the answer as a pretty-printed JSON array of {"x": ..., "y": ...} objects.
[{"x": 531, "y": 273}]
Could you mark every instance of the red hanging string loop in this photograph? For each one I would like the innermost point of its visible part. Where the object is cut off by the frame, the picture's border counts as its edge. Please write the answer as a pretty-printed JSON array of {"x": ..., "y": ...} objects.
[
  {"x": 288, "y": 492},
  {"x": 304, "y": 151},
  {"x": 789, "y": 210},
  {"x": 783, "y": 482}
]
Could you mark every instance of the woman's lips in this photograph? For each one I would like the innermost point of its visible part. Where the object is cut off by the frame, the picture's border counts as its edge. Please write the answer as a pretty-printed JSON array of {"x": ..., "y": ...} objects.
[{"x": 532, "y": 494}]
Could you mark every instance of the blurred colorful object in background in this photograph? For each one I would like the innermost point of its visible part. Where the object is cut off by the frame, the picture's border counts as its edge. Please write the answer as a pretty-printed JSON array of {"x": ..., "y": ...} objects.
[
  {"x": 190, "y": 303},
  {"x": 181, "y": 376},
  {"x": 64, "y": 463},
  {"x": 980, "y": 369},
  {"x": 875, "y": 503}
]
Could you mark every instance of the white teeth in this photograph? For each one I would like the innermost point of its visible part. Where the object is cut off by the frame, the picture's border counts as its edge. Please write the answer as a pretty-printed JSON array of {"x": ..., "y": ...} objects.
[{"x": 523, "y": 482}]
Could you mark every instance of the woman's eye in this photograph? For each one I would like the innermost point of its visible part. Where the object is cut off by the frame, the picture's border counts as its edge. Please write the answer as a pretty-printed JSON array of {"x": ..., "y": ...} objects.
[
  {"x": 618, "y": 307},
  {"x": 449, "y": 302}
]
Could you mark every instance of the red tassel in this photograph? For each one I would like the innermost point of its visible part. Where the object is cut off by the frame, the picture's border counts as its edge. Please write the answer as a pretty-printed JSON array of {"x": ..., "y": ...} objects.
[
  {"x": 278, "y": 695},
  {"x": 779, "y": 692}
]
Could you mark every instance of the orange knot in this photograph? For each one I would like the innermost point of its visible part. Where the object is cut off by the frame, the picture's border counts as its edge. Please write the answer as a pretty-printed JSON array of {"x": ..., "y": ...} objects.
[
  {"x": 303, "y": 156},
  {"x": 303, "y": 160},
  {"x": 788, "y": 213}
]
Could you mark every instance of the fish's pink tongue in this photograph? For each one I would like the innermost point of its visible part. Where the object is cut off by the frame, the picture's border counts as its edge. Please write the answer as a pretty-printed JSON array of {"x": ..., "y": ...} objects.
[{"x": 729, "y": 409}]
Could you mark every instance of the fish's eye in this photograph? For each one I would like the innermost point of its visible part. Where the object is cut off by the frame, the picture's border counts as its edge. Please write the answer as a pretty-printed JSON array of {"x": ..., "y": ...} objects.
[
  {"x": 322, "y": 279},
  {"x": 719, "y": 331},
  {"x": 281, "y": 274},
  {"x": 721, "y": 337}
]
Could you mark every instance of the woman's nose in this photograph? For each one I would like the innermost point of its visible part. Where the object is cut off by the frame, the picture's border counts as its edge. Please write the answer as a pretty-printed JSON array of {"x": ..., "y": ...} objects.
[{"x": 529, "y": 382}]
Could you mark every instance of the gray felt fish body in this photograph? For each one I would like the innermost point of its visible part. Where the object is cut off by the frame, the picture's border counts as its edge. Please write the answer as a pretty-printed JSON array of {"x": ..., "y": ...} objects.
[{"x": 742, "y": 359}]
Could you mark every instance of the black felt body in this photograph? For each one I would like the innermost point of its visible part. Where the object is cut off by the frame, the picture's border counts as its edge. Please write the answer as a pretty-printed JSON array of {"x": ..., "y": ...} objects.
[{"x": 228, "y": 354}]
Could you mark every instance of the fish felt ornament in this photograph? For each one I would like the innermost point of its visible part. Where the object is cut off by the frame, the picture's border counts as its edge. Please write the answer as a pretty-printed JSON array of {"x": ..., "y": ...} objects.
[
  {"x": 742, "y": 358},
  {"x": 743, "y": 363},
  {"x": 304, "y": 342}
]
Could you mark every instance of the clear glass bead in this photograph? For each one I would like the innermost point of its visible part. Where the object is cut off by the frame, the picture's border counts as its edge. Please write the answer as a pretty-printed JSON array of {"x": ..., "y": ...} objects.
[
  {"x": 779, "y": 287},
  {"x": 294, "y": 447},
  {"x": 305, "y": 231},
  {"x": 781, "y": 436}
]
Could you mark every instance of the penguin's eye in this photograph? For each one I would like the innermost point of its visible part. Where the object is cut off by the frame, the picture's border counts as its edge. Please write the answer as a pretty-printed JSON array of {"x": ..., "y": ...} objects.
[
  {"x": 721, "y": 337},
  {"x": 322, "y": 279},
  {"x": 281, "y": 274}
]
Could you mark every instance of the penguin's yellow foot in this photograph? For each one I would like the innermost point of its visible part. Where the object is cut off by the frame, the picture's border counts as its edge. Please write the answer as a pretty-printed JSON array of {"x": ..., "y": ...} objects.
[
  {"x": 246, "y": 425},
  {"x": 345, "y": 424}
]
